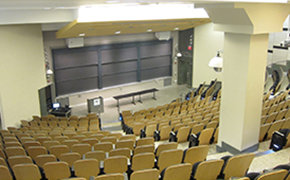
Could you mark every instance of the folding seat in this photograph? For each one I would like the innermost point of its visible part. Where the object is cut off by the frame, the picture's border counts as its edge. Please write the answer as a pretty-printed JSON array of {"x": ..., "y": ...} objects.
[
  {"x": 10, "y": 139},
  {"x": 231, "y": 163},
  {"x": 263, "y": 131},
  {"x": 5, "y": 173},
  {"x": 275, "y": 174},
  {"x": 47, "y": 144},
  {"x": 19, "y": 136},
  {"x": 114, "y": 176},
  {"x": 86, "y": 168},
  {"x": 209, "y": 170},
  {"x": 271, "y": 117},
  {"x": 116, "y": 164},
  {"x": 79, "y": 137},
  {"x": 62, "y": 124},
  {"x": 26, "y": 171},
  {"x": 3, "y": 162},
  {"x": 197, "y": 128},
  {"x": 125, "y": 144},
  {"x": 52, "y": 124},
  {"x": 142, "y": 161},
  {"x": 163, "y": 134},
  {"x": 178, "y": 171},
  {"x": 15, "y": 151},
  {"x": 12, "y": 144},
  {"x": 40, "y": 160},
  {"x": 165, "y": 146},
  {"x": 56, "y": 170},
  {"x": 105, "y": 146},
  {"x": 195, "y": 154},
  {"x": 152, "y": 174},
  {"x": 137, "y": 128},
  {"x": 73, "y": 118},
  {"x": 180, "y": 136},
  {"x": 276, "y": 126},
  {"x": 97, "y": 136},
  {"x": 168, "y": 158},
  {"x": 202, "y": 138},
  {"x": 98, "y": 155},
  {"x": 60, "y": 139},
  {"x": 145, "y": 141},
  {"x": 90, "y": 141},
  {"x": 281, "y": 114},
  {"x": 116, "y": 135},
  {"x": 213, "y": 125},
  {"x": 19, "y": 160},
  {"x": 87, "y": 133},
  {"x": 70, "y": 157},
  {"x": 69, "y": 133},
  {"x": 81, "y": 148},
  {"x": 105, "y": 133},
  {"x": 58, "y": 150},
  {"x": 144, "y": 149},
  {"x": 73, "y": 123},
  {"x": 109, "y": 139},
  {"x": 120, "y": 152},
  {"x": 34, "y": 151},
  {"x": 149, "y": 131}
]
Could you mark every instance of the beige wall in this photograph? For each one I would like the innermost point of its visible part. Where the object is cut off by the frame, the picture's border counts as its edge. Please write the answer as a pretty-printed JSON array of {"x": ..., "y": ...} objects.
[
  {"x": 22, "y": 72},
  {"x": 206, "y": 44}
]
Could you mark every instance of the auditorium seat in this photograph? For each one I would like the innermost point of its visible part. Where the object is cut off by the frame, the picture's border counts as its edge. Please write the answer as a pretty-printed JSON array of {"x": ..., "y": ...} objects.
[
  {"x": 142, "y": 161},
  {"x": 111, "y": 162},
  {"x": 19, "y": 160},
  {"x": 152, "y": 174},
  {"x": 168, "y": 158},
  {"x": 86, "y": 168},
  {"x": 144, "y": 149},
  {"x": 26, "y": 171},
  {"x": 5, "y": 173},
  {"x": 230, "y": 169},
  {"x": 165, "y": 146},
  {"x": 178, "y": 171},
  {"x": 70, "y": 158},
  {"x": 208, "y": 170},
  {"x": 113, "y": 176},
  {"x": 195, "y": 154},
  {"x": 56, "y": 170}
]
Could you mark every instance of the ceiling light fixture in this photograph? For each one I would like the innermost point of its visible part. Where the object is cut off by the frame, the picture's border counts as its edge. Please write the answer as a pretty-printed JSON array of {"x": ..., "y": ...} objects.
[
  {"x": 118, "y": 32},
  {"x": 177, "y": 28},
  {"x": 149, "y": 30},
  {"x": 82, "y": 34}
]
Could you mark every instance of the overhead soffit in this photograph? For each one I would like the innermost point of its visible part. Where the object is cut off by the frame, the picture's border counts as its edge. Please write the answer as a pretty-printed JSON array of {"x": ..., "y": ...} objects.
[{"x": 75, "y": 29}]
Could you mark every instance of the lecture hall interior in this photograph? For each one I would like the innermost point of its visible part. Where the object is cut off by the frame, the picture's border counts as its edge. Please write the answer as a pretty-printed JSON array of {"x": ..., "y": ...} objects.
[{"x": 134, "y": 89}]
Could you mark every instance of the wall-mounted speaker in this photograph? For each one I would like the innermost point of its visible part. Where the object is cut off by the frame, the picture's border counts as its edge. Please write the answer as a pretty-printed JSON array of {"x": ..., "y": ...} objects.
[
  {"x": 163, "y": 35},
  {"x": 75, "y": 42}
]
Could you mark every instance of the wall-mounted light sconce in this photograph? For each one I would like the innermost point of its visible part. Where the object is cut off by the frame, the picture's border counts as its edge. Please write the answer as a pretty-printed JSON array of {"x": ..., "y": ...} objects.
[{"x": 216, "y": 62}]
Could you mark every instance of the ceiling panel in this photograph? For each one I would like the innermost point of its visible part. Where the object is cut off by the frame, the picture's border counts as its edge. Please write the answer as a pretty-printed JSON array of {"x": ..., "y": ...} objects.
[{"x": 74, "y": 29}]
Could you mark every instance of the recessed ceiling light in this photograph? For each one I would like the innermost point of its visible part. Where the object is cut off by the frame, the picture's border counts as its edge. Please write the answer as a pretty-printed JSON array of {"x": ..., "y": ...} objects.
[
  {"x": 118, "y": 32},
  {"x": 47, "y": 8},
  {"x": 91, "y": 29},
  {"x": 149, "y": 30},
  {"x": 82, "y": 34},
  {"x": 177, "y": 28}
]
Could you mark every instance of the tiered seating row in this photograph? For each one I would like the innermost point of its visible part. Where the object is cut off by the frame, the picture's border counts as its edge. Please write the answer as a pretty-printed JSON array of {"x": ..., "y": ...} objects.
[{"x": 188, "y": 117}]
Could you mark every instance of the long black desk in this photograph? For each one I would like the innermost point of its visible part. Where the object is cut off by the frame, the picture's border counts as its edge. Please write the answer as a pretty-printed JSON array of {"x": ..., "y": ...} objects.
[
  {"x": 133, "y": 94},
  {"x": 62, "y": 111}
]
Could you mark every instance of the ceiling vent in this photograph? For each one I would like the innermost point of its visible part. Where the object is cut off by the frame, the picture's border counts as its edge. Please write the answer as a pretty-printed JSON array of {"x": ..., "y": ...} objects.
[
  {"x": 163, "y": 35},
  {"x": 75, "y": 42}
]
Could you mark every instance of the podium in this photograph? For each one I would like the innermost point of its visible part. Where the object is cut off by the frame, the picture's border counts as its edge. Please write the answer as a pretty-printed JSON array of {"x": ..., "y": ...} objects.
[{"x": 95, "y": 105}]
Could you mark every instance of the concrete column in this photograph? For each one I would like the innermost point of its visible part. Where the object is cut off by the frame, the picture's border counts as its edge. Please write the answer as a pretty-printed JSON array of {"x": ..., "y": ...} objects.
[
  {"x": 242, "y": 91},
  {"x": 247, "y": 27}
]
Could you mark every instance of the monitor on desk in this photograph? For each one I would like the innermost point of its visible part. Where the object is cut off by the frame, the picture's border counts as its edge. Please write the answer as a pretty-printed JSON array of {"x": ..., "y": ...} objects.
[{"x": 55, "y": 105}]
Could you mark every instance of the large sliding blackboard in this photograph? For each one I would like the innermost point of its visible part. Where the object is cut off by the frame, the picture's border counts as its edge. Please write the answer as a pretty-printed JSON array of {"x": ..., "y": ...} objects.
[{"x": 89, "y": 68}]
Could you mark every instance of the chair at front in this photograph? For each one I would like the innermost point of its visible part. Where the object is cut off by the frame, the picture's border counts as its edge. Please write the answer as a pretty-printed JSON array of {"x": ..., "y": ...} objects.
[
  {"x": 5, "y": 173},
  {"x": 195, "y": 154},
  {"x": 152, "y": 174},
  {"x": 208, "y": 170},
  {"x": 165, "y": 146},
  {"x": 86, "y": 168},
  {"x": 26, "y": 171},
  {"x": 56, "y": 170},
  {"x": 231, "y": 163},
  {"x": 116, "y": 164},
  {"x": 178, "y": 171},
  {"x": 113, "y": 176},
  {"x": 168, "y": 158}
]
